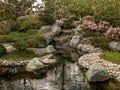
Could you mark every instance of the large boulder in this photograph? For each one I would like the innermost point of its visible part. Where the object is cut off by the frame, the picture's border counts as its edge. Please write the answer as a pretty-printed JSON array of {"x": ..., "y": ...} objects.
[
  {"x": 114, "y": 46},
  {"x": 34, "y": 65},
  {"x": 75, "y": 41},
  {"x": 97, "y": 73}
]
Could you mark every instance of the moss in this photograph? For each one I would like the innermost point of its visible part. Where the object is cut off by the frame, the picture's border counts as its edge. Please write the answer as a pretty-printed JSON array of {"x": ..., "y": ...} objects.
[
  {"x": 19, "y": 55},
  {"x": 111, "y": 56}
]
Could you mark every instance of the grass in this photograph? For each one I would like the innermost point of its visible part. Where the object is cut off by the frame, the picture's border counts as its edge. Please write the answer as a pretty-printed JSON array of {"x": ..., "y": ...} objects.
[
  {"x": 111, "y": 56},
  {"x": 19, "y": 55}
]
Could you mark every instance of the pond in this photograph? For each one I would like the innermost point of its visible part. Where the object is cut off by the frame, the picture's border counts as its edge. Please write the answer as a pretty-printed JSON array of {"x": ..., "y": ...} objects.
[{"x": 66, "y": 75}]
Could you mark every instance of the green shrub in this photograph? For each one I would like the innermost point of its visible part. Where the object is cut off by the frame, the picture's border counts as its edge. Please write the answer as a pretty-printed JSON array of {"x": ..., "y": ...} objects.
[{"x": 2, "y": 50}]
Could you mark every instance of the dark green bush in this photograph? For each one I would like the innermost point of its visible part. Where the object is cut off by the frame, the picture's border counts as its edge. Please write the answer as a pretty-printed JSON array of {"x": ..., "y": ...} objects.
[
  {"x": 47, "y": 17},
  {"x": 2, "y": 50},
  {"x": 101, "y": 42},
  {"x": 14, "y": 26}
]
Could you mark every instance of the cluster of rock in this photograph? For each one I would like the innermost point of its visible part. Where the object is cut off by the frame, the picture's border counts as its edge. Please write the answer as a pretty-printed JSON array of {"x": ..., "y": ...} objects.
[
  {"x": 92, "y": 60},
  {"x": 82, "y": 47}
]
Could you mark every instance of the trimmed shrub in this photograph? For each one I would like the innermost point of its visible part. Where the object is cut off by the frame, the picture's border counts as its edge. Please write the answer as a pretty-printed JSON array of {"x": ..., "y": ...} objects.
[
  {"x": 2, "y": 50},
  {"x": 21, "y": 41}
]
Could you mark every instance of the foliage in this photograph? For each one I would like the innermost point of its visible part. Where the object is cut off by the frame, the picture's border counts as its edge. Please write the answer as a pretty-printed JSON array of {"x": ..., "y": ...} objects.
[
  {"x": 17, "y": 55},
  {"x": 101, "y": 41},
  {"x": 22, "y": 40},
  {"x": 4, "y": 27},
  {"x": 111, "y": 56},
  {"x": 2, "y": 50},
  {"x": 68, "y": 23},
  {"x": 105, "y": 10},
  {"x": 29, "y": 22},
  {"x": 11, "y": 9}
]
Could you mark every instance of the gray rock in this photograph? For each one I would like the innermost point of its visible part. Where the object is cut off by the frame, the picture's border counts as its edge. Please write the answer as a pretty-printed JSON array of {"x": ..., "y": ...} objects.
[
  {"x": 87, "y": 48},
  {"x": 50, "y": 49},
  {"x": 114, "y": 46},
  {"x": 45, "y": 29},
  {"x": 47, "y": 61},
  {"x": 97, "y": 73},
  {"x": 56, "y": 30},
  {"x": 75, "y": 41},
  {"x": 43, "y": 51},
  {"x": 59, "y": 23},
  {"x": 40, "y": 51},
  {"x": 8, "y": 47},
  {"x": 34, "y": 65},
  {"x": 75, "y": 23},
  {"x": 49, "y": 32},
  {"x": 77, "y": 30}
]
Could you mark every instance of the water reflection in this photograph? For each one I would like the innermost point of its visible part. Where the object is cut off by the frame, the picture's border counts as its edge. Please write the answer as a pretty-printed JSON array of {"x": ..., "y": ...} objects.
[{"x": 65, "y": 76}]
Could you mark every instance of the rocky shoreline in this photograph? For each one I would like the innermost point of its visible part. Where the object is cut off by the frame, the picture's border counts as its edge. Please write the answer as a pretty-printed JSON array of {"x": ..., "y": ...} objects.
[{"x": 88, "y": 59}]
